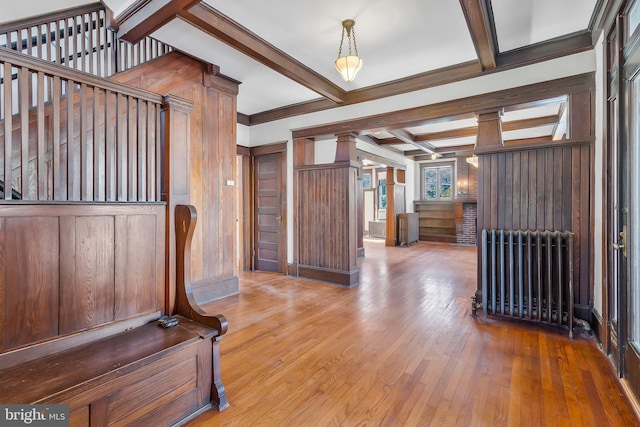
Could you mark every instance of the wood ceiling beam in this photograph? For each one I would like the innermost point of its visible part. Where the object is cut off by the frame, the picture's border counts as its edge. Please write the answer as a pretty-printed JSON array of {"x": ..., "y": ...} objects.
[
  {"x": 410, "y": 153},
  {"x": 373, "y": 141},
  {"x": 544, "y": 51},
  {"x": 448, "y": 134},
  {"x": 419, "y": 115},
  {"x": 396, "y": 87},
  {"x": 455, "y": 149},
  {"x": 479, "y": 17},
  {"x": 433, "y": 78},
  {"x": 530, "y": 123},
  {"x": 572, "y": 44},
  {"x": 145, "y": 16},
  {"x": 473, "y": 130},
  {"x": 389, "y": 141},
  {"x": 212, "y": 22},
  {"x": 408, "y": 138}
]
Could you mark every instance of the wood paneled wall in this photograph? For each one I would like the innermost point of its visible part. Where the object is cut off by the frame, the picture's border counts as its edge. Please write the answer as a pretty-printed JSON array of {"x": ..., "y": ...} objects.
[
  {"x": 327, "y": 223},
  {"x": 543, "y": 189},
  {"x": 205, "y": 159},
  {"x": 66, "y": 268}
]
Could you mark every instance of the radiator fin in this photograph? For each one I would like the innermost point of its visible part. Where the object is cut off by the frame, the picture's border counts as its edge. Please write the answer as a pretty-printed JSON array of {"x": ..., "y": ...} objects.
[{"x": 528, "y": 275}]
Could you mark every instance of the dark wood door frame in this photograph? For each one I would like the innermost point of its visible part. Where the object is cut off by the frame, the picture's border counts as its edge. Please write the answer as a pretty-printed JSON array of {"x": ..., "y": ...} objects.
[
  {"x": 631, "y": 80},
  {"x": 279, "y": 147},
  {"x": 245, "y": 194},
  {"x": 623, "y": 57}
]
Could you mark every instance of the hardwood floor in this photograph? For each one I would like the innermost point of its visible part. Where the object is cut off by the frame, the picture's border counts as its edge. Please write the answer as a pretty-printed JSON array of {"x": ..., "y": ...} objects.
[{"x": 402, "y": 349}]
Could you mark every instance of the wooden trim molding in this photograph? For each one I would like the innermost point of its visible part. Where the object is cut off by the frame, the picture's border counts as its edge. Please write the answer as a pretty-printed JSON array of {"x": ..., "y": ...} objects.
[
  {"x": 212, "y": 22},
  {"x": 469, "y": 106},
  {"x": 479, "y": 17},
  {"x": 277, "y": 147},
  {"x": 243, "y": 151},
  {"x": 544, "y": 51},
  {"x": 146, "y": 16}
]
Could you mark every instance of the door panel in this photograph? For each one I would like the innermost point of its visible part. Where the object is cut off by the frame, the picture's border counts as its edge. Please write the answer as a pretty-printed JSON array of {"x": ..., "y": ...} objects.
[
  {"x": 269, "y": 253},
  {"x": 627, "y": 240},
  {"x": 613, "y": 203}
]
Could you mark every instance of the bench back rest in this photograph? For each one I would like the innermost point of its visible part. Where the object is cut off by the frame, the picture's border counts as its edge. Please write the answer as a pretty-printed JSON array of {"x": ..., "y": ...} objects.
[{"x": 68, "y": 268}]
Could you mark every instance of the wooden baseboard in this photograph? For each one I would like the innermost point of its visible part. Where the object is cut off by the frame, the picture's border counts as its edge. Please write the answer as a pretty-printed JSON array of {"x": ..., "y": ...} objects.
[
  {"x": 211, "y": 290},
  {"x": 598, "y": 326},
  {"x": 347, "y": 278},
  {"x": 292, "y": 270},
  {"x": 631, "y": 395}
]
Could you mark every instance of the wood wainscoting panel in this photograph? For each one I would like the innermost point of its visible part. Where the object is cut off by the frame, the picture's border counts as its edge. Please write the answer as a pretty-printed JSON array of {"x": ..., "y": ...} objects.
[
  {"x": 71, "y": 267},
  {"x": 327, "y": 239},
  {"x": 86, "y": 272},
  {"x": 135, "y": 265},
  {"x": 29, "y": 280},
  {"x": 203, "y": 157},
  {"x": 544, "y": 189}
]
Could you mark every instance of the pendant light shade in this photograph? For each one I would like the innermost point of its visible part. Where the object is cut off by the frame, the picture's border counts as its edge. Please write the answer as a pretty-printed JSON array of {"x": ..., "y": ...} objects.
[{"x": 348, "y": 65}]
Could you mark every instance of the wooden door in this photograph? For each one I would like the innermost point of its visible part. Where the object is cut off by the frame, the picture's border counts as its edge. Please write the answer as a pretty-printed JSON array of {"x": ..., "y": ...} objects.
[
  {"x": 623, "y": 203},
  {"x": 269, "y": 213},
  {"x": 614, "y": 213},
  {"x": 628, "y": 236}
]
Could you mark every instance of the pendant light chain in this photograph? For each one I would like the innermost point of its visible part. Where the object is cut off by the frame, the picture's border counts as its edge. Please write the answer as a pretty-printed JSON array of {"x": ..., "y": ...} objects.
[
  {"x": 355, "y": 46},
  {"x": 341, "y": 42}
]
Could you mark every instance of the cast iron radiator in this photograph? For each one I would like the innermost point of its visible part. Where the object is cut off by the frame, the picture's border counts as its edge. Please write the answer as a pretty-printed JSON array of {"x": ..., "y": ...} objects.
[
  {"x": 408, "y": 228},
  {"x": 528, "y": 275}
]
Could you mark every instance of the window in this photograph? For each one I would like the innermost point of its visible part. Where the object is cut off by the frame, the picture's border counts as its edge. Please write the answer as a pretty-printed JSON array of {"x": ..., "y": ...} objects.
[{"x": 437, "y": 182}]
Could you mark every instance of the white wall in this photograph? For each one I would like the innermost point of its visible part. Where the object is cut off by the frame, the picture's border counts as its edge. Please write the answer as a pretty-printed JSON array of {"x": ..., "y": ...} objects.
[
  {"x": 410, "y": 184},
  {"x": 243, "y": 135},
  {"x": 280, "y": 130}
]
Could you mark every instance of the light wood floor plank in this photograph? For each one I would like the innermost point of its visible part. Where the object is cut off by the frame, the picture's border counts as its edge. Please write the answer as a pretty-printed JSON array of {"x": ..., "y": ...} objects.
[{"x": 402, "y": 349}]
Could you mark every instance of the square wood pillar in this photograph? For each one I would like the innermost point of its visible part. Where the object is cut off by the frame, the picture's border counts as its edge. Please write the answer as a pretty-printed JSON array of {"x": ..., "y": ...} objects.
[{"x": 489, "y": 131}]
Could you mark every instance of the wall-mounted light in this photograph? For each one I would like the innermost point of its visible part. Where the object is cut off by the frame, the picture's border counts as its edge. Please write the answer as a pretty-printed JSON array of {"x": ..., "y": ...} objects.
[
  {"x": 473, "y": 160},
  {"x": 463, "y": 186},
  {"x": 348, "y": 65}
]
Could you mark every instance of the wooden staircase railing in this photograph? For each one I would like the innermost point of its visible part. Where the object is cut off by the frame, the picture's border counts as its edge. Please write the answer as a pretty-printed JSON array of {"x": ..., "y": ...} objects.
[
  {"x": 79, "y": 38},
  {"x": 70, "y": 136}
]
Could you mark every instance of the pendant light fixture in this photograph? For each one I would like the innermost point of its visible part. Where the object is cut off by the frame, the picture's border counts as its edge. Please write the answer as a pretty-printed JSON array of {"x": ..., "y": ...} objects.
[{"x": 348, "y": 65}]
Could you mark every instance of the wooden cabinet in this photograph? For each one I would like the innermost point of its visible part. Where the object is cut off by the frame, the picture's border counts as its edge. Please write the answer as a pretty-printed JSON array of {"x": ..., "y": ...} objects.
[{"x": 437, "y": 221}]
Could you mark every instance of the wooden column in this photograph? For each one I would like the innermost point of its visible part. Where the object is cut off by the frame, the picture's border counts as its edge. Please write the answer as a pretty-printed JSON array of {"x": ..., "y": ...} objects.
[
  {"x": 390, "y": 235},
  {"x": 489, "y": 139},
  {"x": 327, "y": 223},
  {"x": 175, "y": 184},
  {"x": 346, "y": 148},
  {"x": 395, "y": 203},
  {"x": 360, "y": 212},
  {"x": 489, "y": 131},
  {"x": 303, "y": 155}
]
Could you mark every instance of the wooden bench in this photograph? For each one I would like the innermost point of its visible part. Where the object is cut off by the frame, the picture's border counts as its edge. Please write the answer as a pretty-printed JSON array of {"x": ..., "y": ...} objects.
[
  {"x": 148, "y": 375},
  {"x": 91, "y": 340}
]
